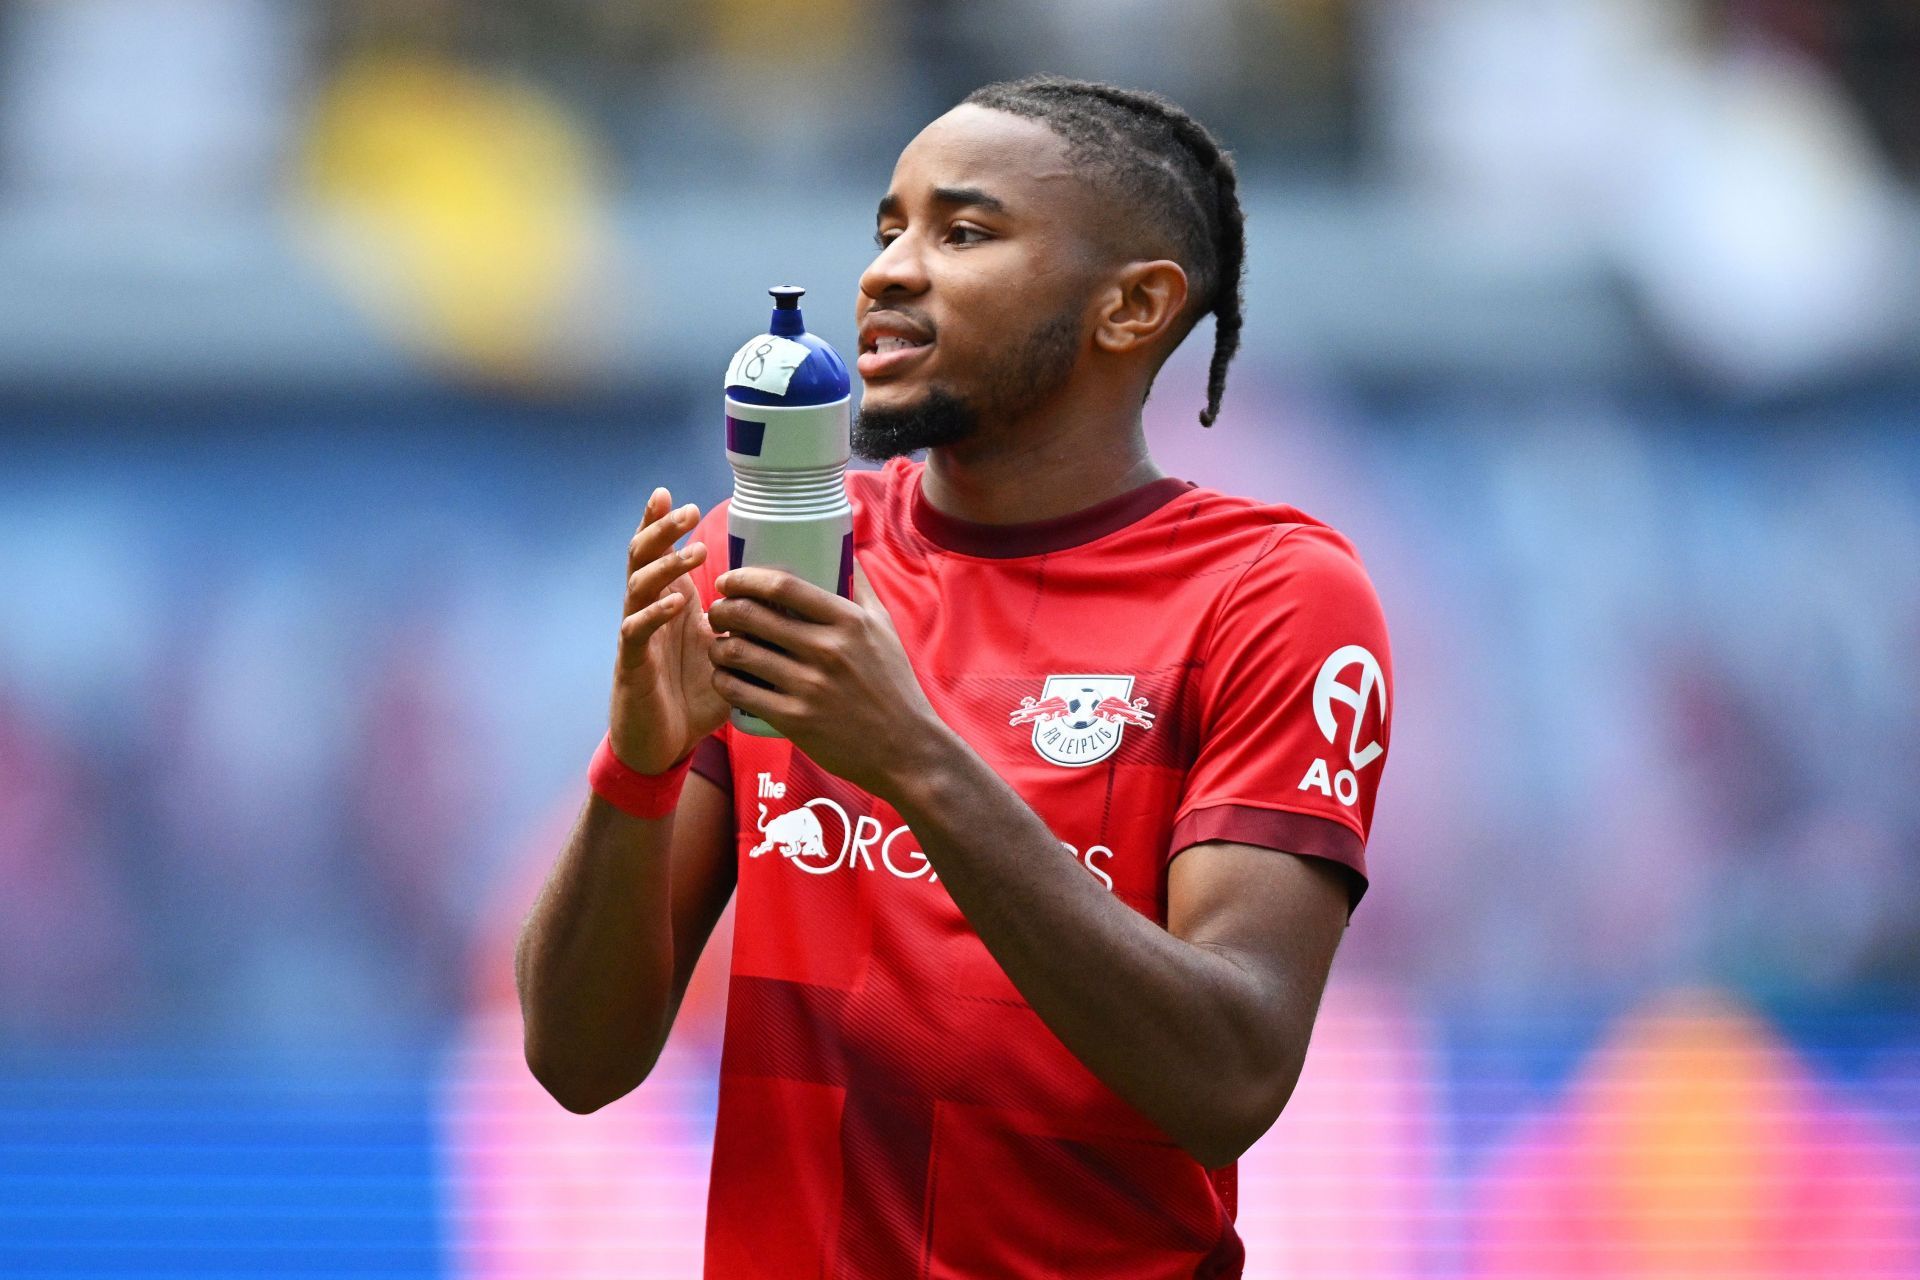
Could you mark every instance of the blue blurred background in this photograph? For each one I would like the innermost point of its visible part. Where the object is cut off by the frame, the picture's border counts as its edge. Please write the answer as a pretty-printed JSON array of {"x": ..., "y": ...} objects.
[{"x": 340, "y": 345}]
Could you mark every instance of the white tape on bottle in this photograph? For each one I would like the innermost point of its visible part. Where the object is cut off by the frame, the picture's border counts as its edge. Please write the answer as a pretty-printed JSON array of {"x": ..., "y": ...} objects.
[{"x": 767, "y": 364}]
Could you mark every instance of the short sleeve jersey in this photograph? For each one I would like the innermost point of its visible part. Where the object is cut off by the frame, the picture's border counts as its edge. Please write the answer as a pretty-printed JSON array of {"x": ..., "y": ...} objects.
[{"x": 1172, "y": 666}]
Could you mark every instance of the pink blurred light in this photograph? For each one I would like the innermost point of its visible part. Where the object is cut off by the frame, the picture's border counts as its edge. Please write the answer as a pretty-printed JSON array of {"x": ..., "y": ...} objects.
[{"x": 1696, "y": 1143}]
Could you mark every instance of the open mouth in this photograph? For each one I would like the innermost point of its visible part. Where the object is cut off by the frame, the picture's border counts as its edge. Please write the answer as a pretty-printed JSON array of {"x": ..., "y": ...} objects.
[{"x": 889, "y": 354}]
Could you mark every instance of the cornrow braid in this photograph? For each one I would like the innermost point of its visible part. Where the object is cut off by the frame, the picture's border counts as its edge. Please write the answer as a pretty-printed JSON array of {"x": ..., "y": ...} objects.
[{"x": 1143, "y": 148}]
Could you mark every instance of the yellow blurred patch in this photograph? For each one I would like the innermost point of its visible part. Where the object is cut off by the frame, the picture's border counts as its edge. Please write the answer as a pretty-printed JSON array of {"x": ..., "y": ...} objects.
[{"x": 462, "y": 210}]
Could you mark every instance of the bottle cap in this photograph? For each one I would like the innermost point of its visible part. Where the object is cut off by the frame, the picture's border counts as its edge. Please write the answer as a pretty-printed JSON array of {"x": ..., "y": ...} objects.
[{"x": 787, "y": 322}]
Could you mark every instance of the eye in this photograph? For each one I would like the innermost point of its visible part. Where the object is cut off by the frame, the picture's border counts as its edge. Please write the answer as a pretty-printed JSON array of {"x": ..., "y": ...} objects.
[{"x": 881, "y": 239}]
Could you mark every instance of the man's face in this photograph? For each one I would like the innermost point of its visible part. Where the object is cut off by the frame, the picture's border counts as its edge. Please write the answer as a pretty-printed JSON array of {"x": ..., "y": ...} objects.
[{"x": 973, "y": 312}]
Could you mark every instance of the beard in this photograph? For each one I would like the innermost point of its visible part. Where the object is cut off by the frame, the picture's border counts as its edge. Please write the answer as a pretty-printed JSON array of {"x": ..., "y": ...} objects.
[
  {"x": 937, "y": 418},
  {"x": 1035, "y": 368}
]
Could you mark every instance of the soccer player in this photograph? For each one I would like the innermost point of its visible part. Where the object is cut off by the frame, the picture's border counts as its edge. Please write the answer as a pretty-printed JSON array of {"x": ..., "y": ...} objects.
[{"x": 1038, "y": 894}]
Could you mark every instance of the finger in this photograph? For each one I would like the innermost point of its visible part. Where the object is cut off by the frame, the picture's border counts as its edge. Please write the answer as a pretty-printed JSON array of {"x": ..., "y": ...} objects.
[
  {"x": 780, "y": 670},
  {"x": 645, "y": 584},
  {"x": 784, "y": 591},
  {"x": 660, "y": 531},
  {"x": 659, "y": 502},
  {"x": 750, "y": 617},
  {"x": 863, "y": 593},
  {"x": 776, "y": 708},
  {"x": 638, "y": 627}
]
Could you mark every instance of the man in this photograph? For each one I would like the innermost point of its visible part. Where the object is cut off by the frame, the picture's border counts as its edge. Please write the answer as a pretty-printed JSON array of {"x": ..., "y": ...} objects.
[{"x": 1039, "y": 893}]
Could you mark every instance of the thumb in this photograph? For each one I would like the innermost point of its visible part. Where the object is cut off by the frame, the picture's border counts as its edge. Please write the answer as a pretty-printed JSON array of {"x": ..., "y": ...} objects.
[{"x": 863, "y": 593}]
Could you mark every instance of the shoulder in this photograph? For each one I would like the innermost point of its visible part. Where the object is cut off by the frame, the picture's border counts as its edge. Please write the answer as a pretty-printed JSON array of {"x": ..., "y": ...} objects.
[
  {"x": 715, "y": 516},
  {"x": 711, "y": 531},
  {"x": 1226, "y": 515},
  {"x": 882, "y": 498},
  {"x": 893, "y": 478},
  {"x": 1266, "y": 542},
  {"x": 1297, "y": 590}
]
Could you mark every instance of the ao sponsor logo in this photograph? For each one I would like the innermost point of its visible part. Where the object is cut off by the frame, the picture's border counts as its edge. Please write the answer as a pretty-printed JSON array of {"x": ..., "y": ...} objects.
[
  {"x": 1370, "y": 686},
  {"x": 819, "y": 839}
]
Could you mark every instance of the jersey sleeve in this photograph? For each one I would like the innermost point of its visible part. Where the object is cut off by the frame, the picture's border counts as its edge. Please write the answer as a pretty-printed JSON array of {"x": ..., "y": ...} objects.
[
  {"x": 1294, "y": 708},
  {"x": 712, "y": 758}
]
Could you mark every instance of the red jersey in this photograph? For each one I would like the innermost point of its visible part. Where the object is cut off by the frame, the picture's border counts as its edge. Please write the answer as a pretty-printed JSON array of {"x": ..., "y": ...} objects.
[{"x": 1168, "y": 667}]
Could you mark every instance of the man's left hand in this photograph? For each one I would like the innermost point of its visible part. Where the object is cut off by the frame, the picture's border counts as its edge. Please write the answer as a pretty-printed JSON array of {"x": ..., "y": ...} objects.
[{"x": 843, "y": 690}]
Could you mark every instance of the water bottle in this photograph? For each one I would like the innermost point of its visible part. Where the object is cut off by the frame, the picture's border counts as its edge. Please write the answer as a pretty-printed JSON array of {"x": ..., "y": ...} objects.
[{"x": 789, "y": 405}]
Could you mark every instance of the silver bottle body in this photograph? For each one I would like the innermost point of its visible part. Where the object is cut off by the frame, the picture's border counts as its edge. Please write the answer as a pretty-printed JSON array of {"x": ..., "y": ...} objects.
[{"x": 790, "y": 508}]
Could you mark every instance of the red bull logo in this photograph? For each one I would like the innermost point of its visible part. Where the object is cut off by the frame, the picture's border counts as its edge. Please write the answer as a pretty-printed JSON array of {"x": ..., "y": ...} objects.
[
  {"x": 820, "y": 838},
  {"x": 800, "y": 836},
  {"x": 1079, "y": 720},
  {"x": 796, "y": 834}
]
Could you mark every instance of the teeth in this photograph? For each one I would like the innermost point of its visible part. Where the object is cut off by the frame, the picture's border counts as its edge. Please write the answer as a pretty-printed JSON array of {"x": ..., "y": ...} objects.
[{"x": 884, "y": 345}]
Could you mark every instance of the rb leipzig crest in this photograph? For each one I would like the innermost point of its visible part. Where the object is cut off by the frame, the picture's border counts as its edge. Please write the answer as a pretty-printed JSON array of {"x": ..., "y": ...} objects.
[{"x": 1078, "y": 720}]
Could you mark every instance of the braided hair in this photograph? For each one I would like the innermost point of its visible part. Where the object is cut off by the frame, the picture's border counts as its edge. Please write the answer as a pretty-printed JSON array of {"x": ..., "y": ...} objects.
[{"x": 1143, "y": 149}]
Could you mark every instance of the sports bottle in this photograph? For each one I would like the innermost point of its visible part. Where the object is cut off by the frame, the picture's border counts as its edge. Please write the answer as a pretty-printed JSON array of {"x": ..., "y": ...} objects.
[{"x": 788, "y": 417}]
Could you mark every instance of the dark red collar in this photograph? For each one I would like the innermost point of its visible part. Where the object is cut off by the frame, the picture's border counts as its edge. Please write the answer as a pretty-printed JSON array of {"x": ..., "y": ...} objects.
[{"x": 1036, "y": 537}]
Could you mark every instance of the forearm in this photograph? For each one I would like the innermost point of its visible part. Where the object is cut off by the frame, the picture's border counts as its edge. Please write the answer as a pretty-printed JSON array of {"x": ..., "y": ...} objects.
[
  {"x": 1178, "y": 1030},
  {"x": 594, "y": 964}
]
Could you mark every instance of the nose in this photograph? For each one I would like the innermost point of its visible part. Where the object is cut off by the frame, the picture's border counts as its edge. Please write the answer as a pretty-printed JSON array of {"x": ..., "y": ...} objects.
[{"x": 898, "y": 268}]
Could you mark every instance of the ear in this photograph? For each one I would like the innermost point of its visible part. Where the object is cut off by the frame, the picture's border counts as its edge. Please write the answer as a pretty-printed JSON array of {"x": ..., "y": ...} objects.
[{"x": 1143, "y": 302}]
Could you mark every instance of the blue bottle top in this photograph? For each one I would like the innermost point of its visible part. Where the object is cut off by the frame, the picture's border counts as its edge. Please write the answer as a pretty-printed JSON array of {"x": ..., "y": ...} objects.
[{"x": 822, "y": 376}]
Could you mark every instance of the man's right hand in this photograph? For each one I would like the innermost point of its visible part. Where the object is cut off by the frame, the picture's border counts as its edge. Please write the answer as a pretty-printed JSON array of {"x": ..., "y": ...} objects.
[{"x": 664, "y": 701}]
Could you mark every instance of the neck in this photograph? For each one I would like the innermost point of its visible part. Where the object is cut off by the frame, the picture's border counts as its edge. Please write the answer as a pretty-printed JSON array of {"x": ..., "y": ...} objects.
[{"x": 1017, "y": 472}]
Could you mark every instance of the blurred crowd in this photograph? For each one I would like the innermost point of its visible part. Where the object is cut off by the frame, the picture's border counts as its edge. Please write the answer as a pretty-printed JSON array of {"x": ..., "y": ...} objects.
[
  {"x": 291, "y": 692},
  {"x": 476, "y": 178},
  {"x": 310, "y": 709},
  {"x": 224, "y": 86}
]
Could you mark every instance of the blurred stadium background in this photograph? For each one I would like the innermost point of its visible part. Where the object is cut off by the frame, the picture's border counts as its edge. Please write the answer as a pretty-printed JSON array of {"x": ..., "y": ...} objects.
[{"x": 340, "y": 344}]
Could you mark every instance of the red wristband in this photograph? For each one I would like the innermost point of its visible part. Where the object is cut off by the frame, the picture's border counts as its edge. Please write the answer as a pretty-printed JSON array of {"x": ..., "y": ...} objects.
[{"x": 641, "y": 795}]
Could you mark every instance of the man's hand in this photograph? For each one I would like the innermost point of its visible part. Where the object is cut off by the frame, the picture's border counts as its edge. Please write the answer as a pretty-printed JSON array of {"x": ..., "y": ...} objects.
[
  {"x": 843, "y": 689},
  {"x": 663, "y": 696}
]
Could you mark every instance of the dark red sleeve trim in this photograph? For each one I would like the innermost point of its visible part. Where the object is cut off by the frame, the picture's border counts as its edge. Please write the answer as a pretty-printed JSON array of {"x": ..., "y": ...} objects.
[
  {"x": 1297, "y": 833},
  {"x": 712, "y": 761}
]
